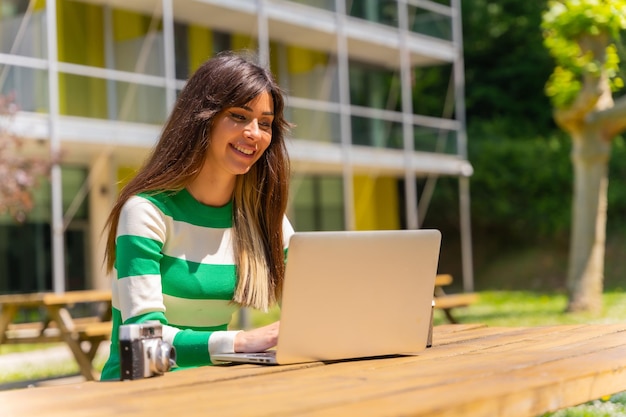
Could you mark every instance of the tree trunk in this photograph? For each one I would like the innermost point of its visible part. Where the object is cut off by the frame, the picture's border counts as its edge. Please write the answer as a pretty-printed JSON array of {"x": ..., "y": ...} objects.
[{"x": 590, "y": 156}]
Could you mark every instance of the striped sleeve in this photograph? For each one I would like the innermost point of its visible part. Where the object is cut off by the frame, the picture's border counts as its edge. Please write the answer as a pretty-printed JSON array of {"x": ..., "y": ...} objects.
[
  {"x": 141, "y": 236},
  {"x": 141, "y": 233}
]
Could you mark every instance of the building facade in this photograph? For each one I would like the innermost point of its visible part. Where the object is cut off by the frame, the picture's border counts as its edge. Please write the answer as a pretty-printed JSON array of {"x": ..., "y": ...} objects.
[{"x": 95, "y": 80}]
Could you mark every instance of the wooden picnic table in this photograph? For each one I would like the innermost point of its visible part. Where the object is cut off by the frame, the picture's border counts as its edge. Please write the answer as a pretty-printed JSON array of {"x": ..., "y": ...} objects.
[
  {"x": 447, "y": 302},
  {"x": 55, "y": 322},
  {"x": 471, "y": 371}
]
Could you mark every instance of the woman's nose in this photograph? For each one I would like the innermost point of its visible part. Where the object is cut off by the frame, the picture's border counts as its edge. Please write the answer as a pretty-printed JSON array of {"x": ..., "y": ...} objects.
[{"x": 252, "y": 130}]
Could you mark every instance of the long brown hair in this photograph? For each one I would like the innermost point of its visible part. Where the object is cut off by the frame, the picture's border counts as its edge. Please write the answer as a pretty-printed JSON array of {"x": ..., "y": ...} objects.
[{"x": 260, "y": 196}]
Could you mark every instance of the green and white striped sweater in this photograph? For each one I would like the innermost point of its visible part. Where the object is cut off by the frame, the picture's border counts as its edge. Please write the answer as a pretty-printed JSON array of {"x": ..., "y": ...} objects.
[{"x": 175, "y": 264}]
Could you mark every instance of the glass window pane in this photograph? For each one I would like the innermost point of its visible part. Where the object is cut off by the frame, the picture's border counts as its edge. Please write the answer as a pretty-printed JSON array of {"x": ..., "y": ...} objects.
[
  {"x": 378, "y": 133},
  {"x": 23, "y": 33},
  {"x": 314, "y": 125},
  {"x": 25, "y": 249},
  {"x": 321, "y": 4},
  {"x": 432, "y": 91},
  {"x": 429, "y": 23},
  {"x": 305, "y": 72},
  {"x": 25, "y": 257},
  {"x": 302, "y": 210},
  {"x": 82, "y": 96},
  {"x": 383, "y": 87},
  {"x": 29, "y": 87},
  {"x": 317, "y": 203},
  {"x": 108, "y": 99},
  {"x": 428, "y": 139},
  {"x": 379, "y": 11},
  {"x": 138, "y": 44},
  {"x": 80, "y": 33},
  {"x": 185, "y": 44},
  {"x": 331, "y": 203},
  {"x": 140, "y": 103},
  {"x": 235, "y": 42},
  {"x": 195, "y": 44}
]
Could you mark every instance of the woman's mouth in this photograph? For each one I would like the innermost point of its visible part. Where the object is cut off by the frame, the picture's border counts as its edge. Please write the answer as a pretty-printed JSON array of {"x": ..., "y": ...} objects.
[{"x": 245, "y": 151}]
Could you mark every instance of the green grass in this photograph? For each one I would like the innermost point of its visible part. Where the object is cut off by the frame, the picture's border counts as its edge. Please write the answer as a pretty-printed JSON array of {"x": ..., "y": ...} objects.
[
  {"x": 494, "y": 308},
  {"x": 25, "y": 348},
  {"x": 526, "y": 308},
  {"x": 511, "y": 308}
]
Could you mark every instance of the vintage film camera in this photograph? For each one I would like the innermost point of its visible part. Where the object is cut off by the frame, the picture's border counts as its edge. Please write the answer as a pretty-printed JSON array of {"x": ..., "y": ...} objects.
[{"x": 143, "y": 353}]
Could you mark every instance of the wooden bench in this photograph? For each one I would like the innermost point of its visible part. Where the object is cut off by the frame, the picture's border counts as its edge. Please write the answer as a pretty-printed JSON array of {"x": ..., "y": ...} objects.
[
  {"x": 55, "y": 322},
  {"x": 448, "y": 302}
]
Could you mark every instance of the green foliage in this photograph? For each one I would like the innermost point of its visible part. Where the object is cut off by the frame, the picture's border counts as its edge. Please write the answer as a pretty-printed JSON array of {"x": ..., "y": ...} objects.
[
  {"x": 505, "y": 65},
  {"x": 616, "y": 203},
  {"x": 569, "y": 19},
  {"x": 565, "y": 24},
  {"x": 521, "y": 190}
]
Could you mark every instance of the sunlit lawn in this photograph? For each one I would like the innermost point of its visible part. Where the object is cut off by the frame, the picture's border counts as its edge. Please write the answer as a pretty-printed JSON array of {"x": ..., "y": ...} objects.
[
  {"x": 524, "y": 308},
  {"x": 510, "y": 308}
]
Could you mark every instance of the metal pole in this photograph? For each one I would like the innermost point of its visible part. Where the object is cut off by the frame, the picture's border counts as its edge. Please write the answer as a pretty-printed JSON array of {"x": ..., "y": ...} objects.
[
  {"x": 263, "y": 34},
  {"x": 346, "y": 122},
  {"x": 58, "y": 244},
  {"x": 464, "y": 193},
  {"x": 410, "y": 187},
  {"x": 169, "y": 53}
]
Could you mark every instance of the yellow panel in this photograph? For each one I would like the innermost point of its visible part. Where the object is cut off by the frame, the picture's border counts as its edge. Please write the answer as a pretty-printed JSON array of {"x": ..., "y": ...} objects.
[
  {"x": 128, "y": 25},
  {"x": 200, "y": 46},
  {"x": 375, "y": 203},
  {"x": 81, "y": 41},
  {"x": 387, "y": 202},
  {"x": 124, "y": 175},
  {"x": 301, "y": 60},
  {"x": 239, "y": 41},
  {"x": 40, "y": 5}
]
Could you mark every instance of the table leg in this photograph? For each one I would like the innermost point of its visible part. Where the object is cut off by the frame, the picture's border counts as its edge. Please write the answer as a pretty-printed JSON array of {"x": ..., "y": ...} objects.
[
  {"x": 6, "y": 317},
  {"x": 65, "y": 322}
]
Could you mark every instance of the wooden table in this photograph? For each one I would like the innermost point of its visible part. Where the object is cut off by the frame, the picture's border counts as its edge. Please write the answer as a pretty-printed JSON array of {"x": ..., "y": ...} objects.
[
  {"x": 57, "y": 324},
  {"x": 448, "y": 302},
  {"x": 470, "y": 371}
]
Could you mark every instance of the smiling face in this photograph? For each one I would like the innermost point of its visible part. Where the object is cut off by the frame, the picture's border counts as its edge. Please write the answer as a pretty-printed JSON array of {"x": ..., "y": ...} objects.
[{"x": 240, "y": 135}]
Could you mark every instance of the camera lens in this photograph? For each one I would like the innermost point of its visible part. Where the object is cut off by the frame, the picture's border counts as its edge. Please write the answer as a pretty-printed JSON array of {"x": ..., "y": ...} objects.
[{"x": 162, "y": 357}]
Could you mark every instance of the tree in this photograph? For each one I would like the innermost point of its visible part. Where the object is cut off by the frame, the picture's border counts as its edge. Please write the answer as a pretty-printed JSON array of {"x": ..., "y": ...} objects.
[
  {"x": 583, "y": 37},
  {"x": 20, "y": 173}
]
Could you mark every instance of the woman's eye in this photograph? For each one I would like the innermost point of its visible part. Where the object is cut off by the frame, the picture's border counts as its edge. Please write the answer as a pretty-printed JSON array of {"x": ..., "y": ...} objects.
[
  {"x": 238, "y": 117},
  {"x": 265, "y": 125}
]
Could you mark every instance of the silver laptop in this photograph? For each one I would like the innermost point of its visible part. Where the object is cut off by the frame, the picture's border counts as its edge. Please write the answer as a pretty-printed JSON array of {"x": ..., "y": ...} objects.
[{"x": 353, "y": 295}]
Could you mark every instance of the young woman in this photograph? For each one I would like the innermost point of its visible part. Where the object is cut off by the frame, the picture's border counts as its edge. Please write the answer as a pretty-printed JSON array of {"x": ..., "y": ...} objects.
[{"x": 201, "y": 229}]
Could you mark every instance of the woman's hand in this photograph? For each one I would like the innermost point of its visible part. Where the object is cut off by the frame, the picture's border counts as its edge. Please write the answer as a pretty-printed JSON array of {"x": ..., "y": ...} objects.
[{"x": 257, "y": 340}]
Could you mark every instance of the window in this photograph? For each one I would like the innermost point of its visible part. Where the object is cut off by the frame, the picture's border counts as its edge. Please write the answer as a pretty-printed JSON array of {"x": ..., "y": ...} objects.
[
  {"x": 317, "y": 203},
  {"x": 26, "y": 249}
]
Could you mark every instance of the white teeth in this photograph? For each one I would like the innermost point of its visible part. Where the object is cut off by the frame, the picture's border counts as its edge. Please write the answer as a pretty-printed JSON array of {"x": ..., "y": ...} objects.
[{"x": 244, "y": 150}]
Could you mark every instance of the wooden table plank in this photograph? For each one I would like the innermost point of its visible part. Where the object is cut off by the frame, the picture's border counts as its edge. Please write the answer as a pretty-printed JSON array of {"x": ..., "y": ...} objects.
[
  {"x": 442, "y": 280},
  {"x": 554, "y": 385},
  {"x": 86, "y": 394},
  {"x": 75, "y": 297},
  {"x": 386, "y": 387},
  {"x": 504, "y": 371}
]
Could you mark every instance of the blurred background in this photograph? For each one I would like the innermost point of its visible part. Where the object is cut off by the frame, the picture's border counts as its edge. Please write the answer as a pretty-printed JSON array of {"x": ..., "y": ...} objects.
[{"x": 407, "y": 113}]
